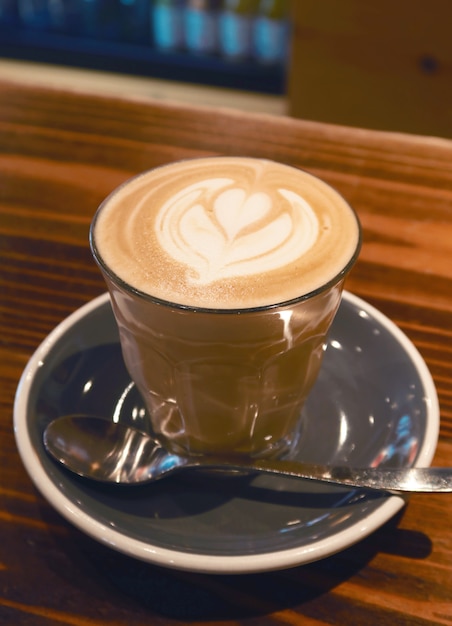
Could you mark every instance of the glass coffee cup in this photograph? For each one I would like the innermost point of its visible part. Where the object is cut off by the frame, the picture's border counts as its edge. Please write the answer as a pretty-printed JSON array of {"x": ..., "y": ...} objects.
[{"x": 225, "y": 274}]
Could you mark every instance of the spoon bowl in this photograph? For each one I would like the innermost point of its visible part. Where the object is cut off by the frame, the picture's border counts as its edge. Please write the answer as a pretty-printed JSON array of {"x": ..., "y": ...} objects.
[{"x": 109, "y": 452}]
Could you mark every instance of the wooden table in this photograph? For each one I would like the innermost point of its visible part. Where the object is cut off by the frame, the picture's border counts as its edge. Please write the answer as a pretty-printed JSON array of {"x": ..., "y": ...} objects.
[{"x": 61, "y": 153}]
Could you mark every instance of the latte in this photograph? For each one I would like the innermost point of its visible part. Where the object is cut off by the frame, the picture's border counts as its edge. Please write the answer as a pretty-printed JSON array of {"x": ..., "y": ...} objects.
[
  {"x": 225, "y": 275},
  {"x": 226, "y": 233}
]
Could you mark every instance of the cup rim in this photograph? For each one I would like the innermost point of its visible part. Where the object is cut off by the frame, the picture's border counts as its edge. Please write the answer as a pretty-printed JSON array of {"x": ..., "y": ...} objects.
[{"x": 125, "y": 286}]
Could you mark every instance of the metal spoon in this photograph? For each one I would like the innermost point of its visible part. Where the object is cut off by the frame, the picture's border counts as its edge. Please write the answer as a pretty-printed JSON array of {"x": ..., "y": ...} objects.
[{"x": 108, "y": 452}]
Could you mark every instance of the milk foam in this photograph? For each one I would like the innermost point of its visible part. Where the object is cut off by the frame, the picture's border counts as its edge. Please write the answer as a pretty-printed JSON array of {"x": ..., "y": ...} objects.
[
  {"x": 219, "y": 230},
  {"x": 226, "y": 233}
]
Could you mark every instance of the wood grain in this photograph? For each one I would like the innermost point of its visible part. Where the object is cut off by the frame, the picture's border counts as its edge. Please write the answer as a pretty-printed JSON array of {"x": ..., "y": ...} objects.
[
  {"x": 383, "y": 65},
  {"x": 61, "y": 153}
]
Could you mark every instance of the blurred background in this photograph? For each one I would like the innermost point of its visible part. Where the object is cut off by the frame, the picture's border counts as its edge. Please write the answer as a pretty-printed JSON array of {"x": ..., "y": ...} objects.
[
  {"x": 385, "y": 65},
  {"x": 241, "y": 44}
]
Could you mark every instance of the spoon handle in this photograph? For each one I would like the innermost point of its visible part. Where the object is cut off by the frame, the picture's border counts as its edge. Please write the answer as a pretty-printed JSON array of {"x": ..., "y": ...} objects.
[{"x": 409, "y": 480}]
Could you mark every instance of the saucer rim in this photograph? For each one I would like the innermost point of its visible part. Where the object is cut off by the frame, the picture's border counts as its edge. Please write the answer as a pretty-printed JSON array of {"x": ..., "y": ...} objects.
[{"x": 196, "y": 562}]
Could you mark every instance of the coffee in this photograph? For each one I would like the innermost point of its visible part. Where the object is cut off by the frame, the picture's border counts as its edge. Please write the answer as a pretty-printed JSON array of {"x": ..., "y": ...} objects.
[
  {"x": 225, "y": 275},
  {"x": 226, "y": 233}
]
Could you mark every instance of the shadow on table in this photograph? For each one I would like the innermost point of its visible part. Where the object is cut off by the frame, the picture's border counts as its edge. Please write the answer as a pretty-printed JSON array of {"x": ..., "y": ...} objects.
[{"x": 190, "y": 597}]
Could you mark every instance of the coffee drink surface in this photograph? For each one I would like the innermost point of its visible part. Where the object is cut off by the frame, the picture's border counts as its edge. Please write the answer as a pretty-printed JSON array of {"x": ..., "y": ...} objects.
[{"x": 226, "y": 233}]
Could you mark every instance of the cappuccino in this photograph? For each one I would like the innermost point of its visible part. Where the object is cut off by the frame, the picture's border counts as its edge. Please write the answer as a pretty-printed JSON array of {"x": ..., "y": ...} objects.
[
  {"x": 226, "y": 233},
  {"x": 225, "y": 275}
]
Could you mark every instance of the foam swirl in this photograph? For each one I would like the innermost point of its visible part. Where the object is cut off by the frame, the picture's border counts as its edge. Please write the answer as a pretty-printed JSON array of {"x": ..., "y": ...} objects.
[
  {"x": 219, "y": 230},
  {"x": 226, "y": 233}
]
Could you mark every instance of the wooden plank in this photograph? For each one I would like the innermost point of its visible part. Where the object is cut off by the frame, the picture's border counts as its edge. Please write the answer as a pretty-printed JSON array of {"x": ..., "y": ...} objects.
[{"x": 383, "y": 65}]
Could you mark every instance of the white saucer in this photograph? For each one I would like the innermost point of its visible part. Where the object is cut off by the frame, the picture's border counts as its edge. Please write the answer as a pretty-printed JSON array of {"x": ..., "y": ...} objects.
[{"x": 374, "y": 402}]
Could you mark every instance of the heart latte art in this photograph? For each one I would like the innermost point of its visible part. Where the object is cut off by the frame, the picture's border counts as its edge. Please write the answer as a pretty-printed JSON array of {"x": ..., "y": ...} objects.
[
  {"x": 226, "y": 233},
  {"x": 221, "y": 231}
]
